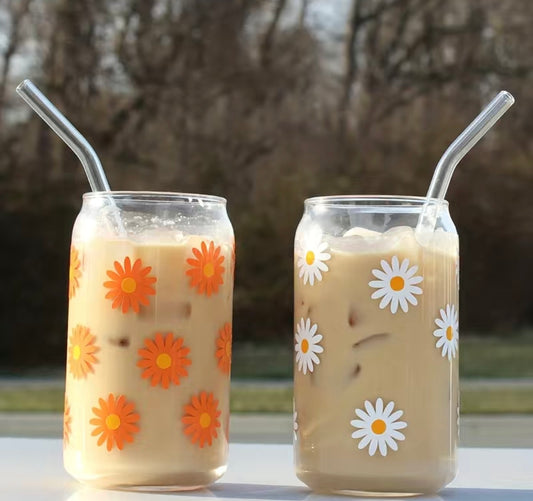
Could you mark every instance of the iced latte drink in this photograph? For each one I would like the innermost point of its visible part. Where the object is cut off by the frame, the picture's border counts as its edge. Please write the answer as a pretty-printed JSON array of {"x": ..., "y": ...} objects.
[
  {"x": 149, "y": 341},
  {"x": 376, "y": 347}
]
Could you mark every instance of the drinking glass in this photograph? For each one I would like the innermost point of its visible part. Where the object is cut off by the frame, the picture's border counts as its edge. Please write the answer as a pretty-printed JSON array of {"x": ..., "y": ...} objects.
[
  {"x": 376, "y": 346},
  {"x": 149, "y": 341}
]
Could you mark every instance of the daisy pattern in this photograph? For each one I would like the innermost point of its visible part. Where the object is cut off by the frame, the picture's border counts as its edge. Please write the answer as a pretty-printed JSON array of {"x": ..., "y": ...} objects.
[
  {"x": 81, "y": 352},
  {"x": 295, "y": 424},
  {"x": 67, "y": 421},
  {"x": 116, "y": 421},
  {"x": 311, "y": 257},
  {"x": 206, "y": 270},
  {"x": 223, "y": 349},
  {"x": 378, "y": 427},
  {"x": 396, "y": 284},
  {"x": 164, "y": 359},
  {"x": 201, "y": 419},
  {"x": 448, "y": 331},
  {"x": 74, "y": 272},
  {"x": 130, "y": 285},
  {"x": 307, "y": 345}
]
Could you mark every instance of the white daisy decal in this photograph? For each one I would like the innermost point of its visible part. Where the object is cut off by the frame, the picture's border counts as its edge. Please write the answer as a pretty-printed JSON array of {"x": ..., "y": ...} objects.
[
  {"x": 311, "y": 258},
  {"x": 307, "y": 345},
  {"x": 378, "y": 427},
  {"x": 396, "y": 284},
  {"x": 295, "y": 424},
  {"x": 448, "y": 331}
]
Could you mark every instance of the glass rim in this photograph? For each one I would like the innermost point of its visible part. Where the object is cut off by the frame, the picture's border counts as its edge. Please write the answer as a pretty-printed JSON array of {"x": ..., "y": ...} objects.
[
  {"x": 156, "y": 197},
  {"x": 372, "y": 201}
]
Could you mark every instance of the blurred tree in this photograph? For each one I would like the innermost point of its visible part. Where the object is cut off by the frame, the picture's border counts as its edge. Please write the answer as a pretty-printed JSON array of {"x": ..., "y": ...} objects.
[
  {"x": 16, "y": 12},
  {"x": 265, "y": 102}
]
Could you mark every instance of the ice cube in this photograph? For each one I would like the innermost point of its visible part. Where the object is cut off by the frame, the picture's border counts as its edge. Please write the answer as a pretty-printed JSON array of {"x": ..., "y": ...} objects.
[
  {"x": 361, "y": 232},
  {"x": 360, "y": 240},
  {"x": 155, "y": 236},
  {"x": 402, "y": 240},
  {"x": 443, "y": 241},
  {"x": 401, "y": 231}
]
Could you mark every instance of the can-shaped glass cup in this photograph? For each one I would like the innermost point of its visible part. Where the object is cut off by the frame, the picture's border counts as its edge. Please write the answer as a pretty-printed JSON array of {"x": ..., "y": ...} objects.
[
  {"x": 376, "y": 346},
  {"x": 149, "y": 341}
]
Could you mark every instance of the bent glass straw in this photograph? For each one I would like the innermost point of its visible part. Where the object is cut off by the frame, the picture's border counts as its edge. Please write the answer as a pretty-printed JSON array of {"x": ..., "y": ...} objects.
[
  {"x": 67, "y": 132},
  {"x": 454, "y": 154}
]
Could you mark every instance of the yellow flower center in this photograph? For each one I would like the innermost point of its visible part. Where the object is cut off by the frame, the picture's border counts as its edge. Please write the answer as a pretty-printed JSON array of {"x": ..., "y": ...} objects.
[
  {"x": 76, "y": 352},
  {"x": 305, "y": 346},
  {"x": 397, "y": 283},
  {"x": 112, "y": 421},
  {"x": 310, "y": 257},
  {"x": 209, "y": 270},
  {"x": 449, "y": 333},
  {"x": 379, "y": 426},
  {"x": 163, "y": 361},
  {"x": 205, "y": 420},
  {"x": 128, "y": 285},
  {"x": 228, "y": 350}
]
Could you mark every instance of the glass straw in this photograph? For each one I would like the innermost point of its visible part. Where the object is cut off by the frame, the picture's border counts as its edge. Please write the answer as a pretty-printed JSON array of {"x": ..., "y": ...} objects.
[
  {"x": 74, "y": 140},
  {"x": 454, "y": 154},
  {"x": 67, "y": 132}
]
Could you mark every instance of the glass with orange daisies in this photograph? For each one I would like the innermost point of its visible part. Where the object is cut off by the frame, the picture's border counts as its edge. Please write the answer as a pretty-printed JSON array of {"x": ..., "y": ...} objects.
[{"x": 149, "y": 344}]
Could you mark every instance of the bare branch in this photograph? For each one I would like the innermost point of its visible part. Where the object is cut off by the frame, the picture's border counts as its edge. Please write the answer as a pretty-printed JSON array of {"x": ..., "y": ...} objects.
[
  {"x": 303, "y": 13},
  {"x": 350, "y": 65},
  {"x": 268, "y": 39},
  {"x": 17, "y": 11}
]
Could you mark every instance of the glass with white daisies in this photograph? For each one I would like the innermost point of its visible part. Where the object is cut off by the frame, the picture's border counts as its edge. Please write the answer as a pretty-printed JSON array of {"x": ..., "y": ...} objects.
[{"x": 376, "y": 333}]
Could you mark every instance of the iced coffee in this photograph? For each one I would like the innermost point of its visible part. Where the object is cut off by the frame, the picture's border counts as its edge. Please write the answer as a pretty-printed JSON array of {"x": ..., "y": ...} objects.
[
  {"x": 376, "y": 347},
  {"x": 149, "y": 341}
]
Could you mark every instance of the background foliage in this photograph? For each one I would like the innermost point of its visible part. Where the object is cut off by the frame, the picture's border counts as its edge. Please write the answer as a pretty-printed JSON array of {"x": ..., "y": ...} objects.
[{"x": 265, "y": 102}]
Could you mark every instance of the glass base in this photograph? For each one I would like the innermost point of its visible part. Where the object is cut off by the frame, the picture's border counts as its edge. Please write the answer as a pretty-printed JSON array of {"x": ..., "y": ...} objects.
[
  {"x": 170, "y": 482},
  {"x": 160, "y": 488},
  {"x": 372, "y": 487},
  {"x": 370, "y": 494}
]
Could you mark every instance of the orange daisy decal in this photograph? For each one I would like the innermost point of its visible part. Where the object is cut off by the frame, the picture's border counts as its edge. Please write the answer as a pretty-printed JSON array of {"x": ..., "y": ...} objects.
[
  {"x": 130, "y": 285},
  {"x": 81, "y": 350},
  {"x": 115, "y": 421},
  {"x": 74, "y": 272},
  {"x": 164, "y": 359},
  {"x": 223, "y": 352},
  {"x": 201, "y": 419},
  {"x": 67, "y": 420},
  {"x": 206, "y": 269}
]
